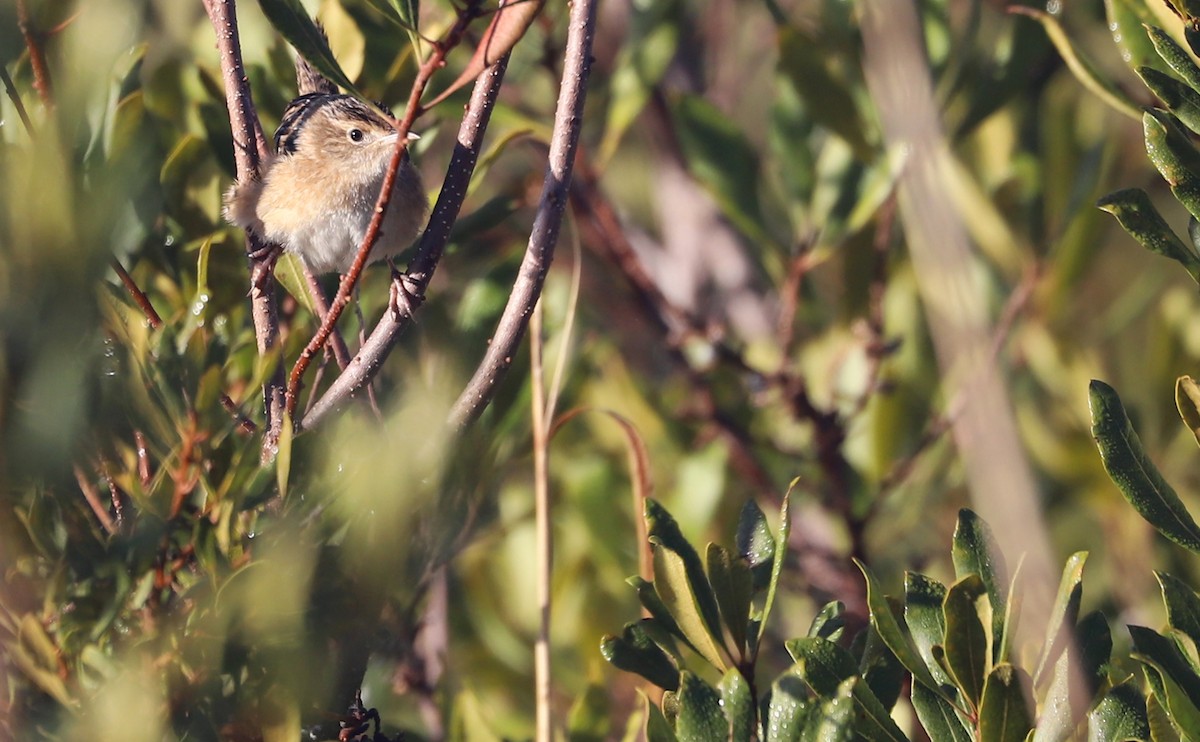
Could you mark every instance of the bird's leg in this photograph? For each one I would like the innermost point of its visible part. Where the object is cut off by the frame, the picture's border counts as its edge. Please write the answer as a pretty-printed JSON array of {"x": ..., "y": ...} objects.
[
  {"x": 405, "y": 294},
  {"x": 263, "y": 260}
]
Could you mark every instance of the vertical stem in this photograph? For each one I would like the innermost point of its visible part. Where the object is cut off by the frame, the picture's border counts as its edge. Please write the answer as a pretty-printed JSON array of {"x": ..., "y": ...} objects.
[{"x": 545, "y": 538}]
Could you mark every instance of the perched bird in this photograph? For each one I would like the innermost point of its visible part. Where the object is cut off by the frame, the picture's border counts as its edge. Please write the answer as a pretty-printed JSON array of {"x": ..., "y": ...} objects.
[{"x": 316, "y": 196}]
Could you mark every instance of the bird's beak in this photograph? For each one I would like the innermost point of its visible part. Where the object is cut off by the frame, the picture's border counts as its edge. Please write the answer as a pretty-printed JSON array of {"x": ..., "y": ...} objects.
[{"x": 392, "y": 137}]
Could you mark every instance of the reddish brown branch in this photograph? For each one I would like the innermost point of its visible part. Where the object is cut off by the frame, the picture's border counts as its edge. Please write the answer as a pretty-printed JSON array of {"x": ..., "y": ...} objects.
[
  {"x": 92, "y": 495},
  {"x": 139, "y": 296},
  {"x": 37, "y": 57}
]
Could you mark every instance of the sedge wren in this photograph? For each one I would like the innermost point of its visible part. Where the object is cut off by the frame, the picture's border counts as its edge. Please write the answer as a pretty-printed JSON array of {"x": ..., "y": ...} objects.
[{"x": 316, "y": 196}]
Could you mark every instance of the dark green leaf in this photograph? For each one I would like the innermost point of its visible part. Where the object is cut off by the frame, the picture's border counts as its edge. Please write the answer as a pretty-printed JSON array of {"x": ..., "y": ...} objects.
[
  {"x": 975, "y": 551},
  {"x": 833, "y": 719},
  {"x": 1004, "y": 710},
  {"x": 897, "y": 640},
  {"x": 1161, "y": 728},
  {"x": 785, "y": 529},
  {"x": 1183, "y": 605},
  {"x": 733, "y": 588},
  {"x": 756, "y": 543},
  {"x": 1133, "y": 472},
  {"x": 1164, "y": 656},
  {"x": 1180, "y": 705},
  {"x": 634, "y": 652},
  {"x": 1174, "y": 156},
  {"x": 827, "y": 101},
  {"x": 1121, "y": 715},
  {"x": 923, "y": 598},
  {"x": 1178, "y": 97},
  {"x": 658, "y": 729},
  {"x": 966, "y": 639},
  {"x": 939, "y": 718},
  {"x": 881, "y": 670},
  {"x": 824, "y": 666},
  {"x": 1187, "y": 401},
  {"x": 653, "y": 604},
  {"x": 829, "y": 622},
  {"x": 1137, "y": 215},
  {"x": 700, "y": 717},
  {"x": 1174, "y": 55},
  {"x": 788, "y": 706},
  {"x": 292, "y": 22}
]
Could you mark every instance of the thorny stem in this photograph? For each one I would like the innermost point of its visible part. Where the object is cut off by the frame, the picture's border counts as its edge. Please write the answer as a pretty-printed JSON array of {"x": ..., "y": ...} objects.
[
  {"x": 250, "y": 149},
  {"x": 429, "y": 251},
  {"x": 436, "y": 61},
  {"x": 564, "y": 140}
]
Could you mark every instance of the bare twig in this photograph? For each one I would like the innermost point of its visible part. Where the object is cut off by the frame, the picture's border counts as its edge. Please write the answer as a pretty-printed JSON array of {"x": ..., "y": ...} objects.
[
  {"x": 139, "y": 296},
  {"x": 568, "y": 120},
  {"x": 436, "y": 60},
  {"x": 543, "y": 718},
  {"x": 250, "y": 149},
  {"x": 429, "y": 252},
  {"x": 92, "y": 495},
  {"x": 37, "y": 57},
  {"x": 15, "y": 97}
]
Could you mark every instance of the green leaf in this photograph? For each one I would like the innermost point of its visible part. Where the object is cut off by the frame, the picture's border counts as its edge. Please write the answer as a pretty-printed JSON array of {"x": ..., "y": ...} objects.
[
  {"x": 1136, "y": 214},
  {"x": 1126, "y": 19},
  {"x": 738, "y": 705},
  {"x": 721, "y": 157},
  {"x": 939, "y": 717},
  {"x": 756, "y": 543},
  {"x": 1063, "y": 615},
  {"x": 1183, "y": 605},
  {"x": 733, "y": 587},
  {"x": 1120, "y": 715},
  {"x": 827, "y": 99},
  {"x": 1161, "y": 728},
  {"x": 1003, "y": 710},
  {"x": 975, "y": 551},
  {"x": 658, "y": 729},
  {"x": 681, "y": 595},
  {"x": 824, "y": 666},
  {"x": 1174, "y": 156},
  {"x": 787, "y": 709},
  {"x": 1164, "y": 656},
  {"x": 1133, "y": 472},
  {"x": 830, "y": 621},
  {"x": 833, "y": 719},
  {"x": 785, "y": 529},
  {"x": 1180, "y": 705},
  {"x": 881, "y": 670},
  {"x": 1187, "y": 401},
  {"x": 1080, "y": 66},
  {"x": 292, "y": 22},
  {"x": 885, "y": 622},
  {"x": 1178, "y": 97},
  {"x": 635, "y": 652},
  {"x": 653, "y": 604},
  {"x": 700, "y": 717},
  {"x": 923, "y": 598},
  {"x": 966, "y": 639},
  {"x": 1174, "y": 55}
]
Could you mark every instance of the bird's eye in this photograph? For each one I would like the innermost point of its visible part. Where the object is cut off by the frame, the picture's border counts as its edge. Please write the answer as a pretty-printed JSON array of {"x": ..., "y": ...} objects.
[{"x": 356, "y": 135}]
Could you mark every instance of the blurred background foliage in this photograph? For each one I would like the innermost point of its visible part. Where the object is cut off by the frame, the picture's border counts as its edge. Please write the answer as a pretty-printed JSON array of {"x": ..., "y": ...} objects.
[{"x": 155, "y": 585}]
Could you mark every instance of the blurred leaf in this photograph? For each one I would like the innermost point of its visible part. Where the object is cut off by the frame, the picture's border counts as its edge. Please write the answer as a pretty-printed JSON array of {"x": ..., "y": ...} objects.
[
  {"x": 588, "y": 720},
  {"x": 1180, "y": 702},
  {"x": 635, "y": 652},
  {"x": 1136, "y": 213},
  {"x": 966, "y": 640},
  {"x": 1079, "y": 65},
  {"x": 1003, "y": 711},
  {"x": 738, "y": 706},
  {"x": 509, "y": 23},
  {"x": 1126, "y": 19},
  {"x": 292, "y": 22},
  {"x": 1121, "y": 715},
  {"x": 1187, "y": 401},
  {"x": 723, "y": 160},
  {"x": 639, "y": 67},
  {"x": 803, "y": 63},
  {"x": 1133, "y": 472},
  {"x": 700, "y": 716},
  {"x": 1064, "y": 613}
]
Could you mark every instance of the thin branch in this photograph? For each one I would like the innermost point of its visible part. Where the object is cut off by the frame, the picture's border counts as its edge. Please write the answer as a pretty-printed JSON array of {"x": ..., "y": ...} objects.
[
  {"x": 15, "y": 97},
  {"x": 568, "y": 120},
  {"x": 544, "y": 548},
  {"x": 139, "y": 296},
  {"x": 249, "y": 151},
  {"x": 92, "y": 495},
  {"x": 429, "y": 252},
  {"x": 436, "y": 60},
  {"x": 37, "y": 57}
]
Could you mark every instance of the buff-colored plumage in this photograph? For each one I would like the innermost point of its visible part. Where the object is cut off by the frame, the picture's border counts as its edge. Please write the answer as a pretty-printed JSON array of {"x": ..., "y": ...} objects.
[{"x": 317, "y": 193}]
